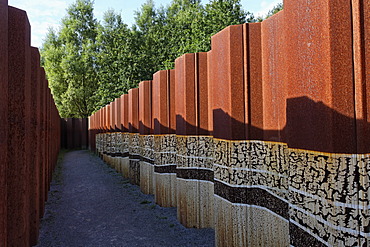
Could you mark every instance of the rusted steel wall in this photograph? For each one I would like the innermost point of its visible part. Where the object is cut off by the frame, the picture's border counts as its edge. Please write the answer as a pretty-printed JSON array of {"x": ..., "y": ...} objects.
[
  {"x": 29, "y": 132},
  {"x": 265, "y": 138},
  {"x": 75, "y": 133}
]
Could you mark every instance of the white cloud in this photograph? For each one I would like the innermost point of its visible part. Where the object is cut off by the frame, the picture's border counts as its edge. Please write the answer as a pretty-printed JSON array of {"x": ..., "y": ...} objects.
[
  {"x": 42, "y": 14},
  {"x": 265, "y": 6}
]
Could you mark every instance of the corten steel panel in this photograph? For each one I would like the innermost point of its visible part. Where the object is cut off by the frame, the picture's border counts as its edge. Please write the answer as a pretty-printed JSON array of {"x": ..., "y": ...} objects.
[
  {"x": 112, "y": 115},
  {"x": 19, "y": 72},
  {"x": 226, "y": 74},
  {"x": 48, "y": 138},
  {"x": 105, "y": 118},
  {"x": 84, "y": 133},
  {"x": 171, "y": 82},
  {"x": 3, "y": 117},
  {"x": 45, "y": 129},
  {"x": 50, "y": 141},
  {"x": 201, "y": 73},
  {"x": 124, "y": 113},
  {"x": 133, "y": 110},
  {"x": 145, "y": 107},
  {"x": 57, "y": 131},
  {"x": 28, "y": 136},
  {"x": 59, "y": 134},
  {"x": 93, "y": 130},
  {"x": 102, "y": 116},
  {"x": 42, "y": 143},
  {"x": 52, "y": 137},
  {"x": 273, "y": 78},
  {"x": 361, "y": 36},
  {"x": 63, "y": 125},
  {"x": 35, "y": 138},
  {"x": 77, "y": 129},
  {"x": 320, "y": 107},
  {"x": 186, "y": 87},
  {"x": 70, "y": 126},
  {"x": 118, "y": 114},
  {"x": 90, "y": 130},
  {"x": 210, "y": 93},
  {"x": 102, "y": 120},
  {"x": 253, "y": 81},
  {"x": 38, "y": 147},
  {"x": 109, "y": 111},
  {"x": 98, "y": 116},
  {"x": 160, "y": 101},
  {"x": 99, "y": 119},
  {"x": 94, "y": 122}
]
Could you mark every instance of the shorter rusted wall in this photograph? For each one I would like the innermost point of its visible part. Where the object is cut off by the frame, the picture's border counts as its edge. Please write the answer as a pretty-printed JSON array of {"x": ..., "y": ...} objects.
[{"x": 75, "y": 133}]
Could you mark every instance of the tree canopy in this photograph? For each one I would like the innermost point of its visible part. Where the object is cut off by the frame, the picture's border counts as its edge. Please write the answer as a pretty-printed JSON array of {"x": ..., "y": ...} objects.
[
  {"x": 69, "y": 58},
  {"x": 90, "y": 63}
]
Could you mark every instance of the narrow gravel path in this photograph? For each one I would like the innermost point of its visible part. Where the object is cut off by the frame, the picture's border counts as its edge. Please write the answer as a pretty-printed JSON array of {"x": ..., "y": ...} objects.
[{"x": 90, "y": 204}]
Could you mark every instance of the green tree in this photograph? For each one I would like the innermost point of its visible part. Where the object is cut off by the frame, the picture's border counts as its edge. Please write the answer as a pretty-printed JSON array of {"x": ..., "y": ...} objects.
[
  {"x": 184, "y": 26},
  {"x": 52, "y": 54},
  {"x": 72, "y": 51},
  {"x": 184, "y": 29},
  {"x": 151, "y": 40},
  {"x": 223, "y": 13},
  {"x": 88, "y": 64},
  {"x": 115, "y": 58}
]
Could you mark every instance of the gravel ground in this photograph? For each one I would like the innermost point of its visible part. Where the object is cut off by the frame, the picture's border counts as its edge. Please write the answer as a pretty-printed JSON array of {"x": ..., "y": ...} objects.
[{"x": 90, "y": 204}]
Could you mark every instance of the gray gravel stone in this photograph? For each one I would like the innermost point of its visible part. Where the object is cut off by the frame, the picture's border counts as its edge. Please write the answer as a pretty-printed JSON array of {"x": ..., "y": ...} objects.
[{"x": 90, "y": 204}]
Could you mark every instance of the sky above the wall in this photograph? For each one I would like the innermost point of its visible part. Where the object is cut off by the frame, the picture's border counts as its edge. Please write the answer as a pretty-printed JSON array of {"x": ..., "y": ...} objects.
[{"x": 48, "y": 13}]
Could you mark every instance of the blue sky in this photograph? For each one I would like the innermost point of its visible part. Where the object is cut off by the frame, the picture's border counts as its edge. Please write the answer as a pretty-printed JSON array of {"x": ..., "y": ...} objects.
[{"x": 48, "y": 13}]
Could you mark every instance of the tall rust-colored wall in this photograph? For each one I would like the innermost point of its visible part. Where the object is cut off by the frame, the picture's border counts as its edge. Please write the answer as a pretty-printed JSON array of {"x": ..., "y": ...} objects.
[
  {"x": 361, "y": 51},
  {"x": 145, "y": 107},
  {"x": 29, "y": 132},
  {"x": 160, "y": 103},
  {"x": 4, "y": 119},
  {"x": 265, "y": 137},
  {"x": 19, "y": 69}
]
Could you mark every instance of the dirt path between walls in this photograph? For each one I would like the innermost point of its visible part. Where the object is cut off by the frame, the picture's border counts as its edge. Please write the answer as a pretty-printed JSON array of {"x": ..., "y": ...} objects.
[{"x": 90, "y": 204}]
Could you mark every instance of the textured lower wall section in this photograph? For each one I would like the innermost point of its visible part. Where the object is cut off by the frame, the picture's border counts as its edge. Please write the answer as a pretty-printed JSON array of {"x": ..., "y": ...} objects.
[
  {"x": 251, "y": 193},
  {"x": 364, "y": 198},
  {"x": 165, "y": 189},
  {"x": 195, "y": 191},
  {"x": 240, "y": 224},
  {"x": 124, "y": 154},
  {"x": 326, "y": 195},
  {"x": 165, "y": 170},
  {"x": 134, "y": 155},
  {"x": 113, "y": 148},
  {"x": 254, "y": 193},
  {"x": 195, "y": 203},
  {"x": 147, "y": 184}
]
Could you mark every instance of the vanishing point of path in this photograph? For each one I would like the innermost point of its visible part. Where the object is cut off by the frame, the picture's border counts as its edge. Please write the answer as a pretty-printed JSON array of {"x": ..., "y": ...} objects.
[{"x": 90, "y": 204}]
